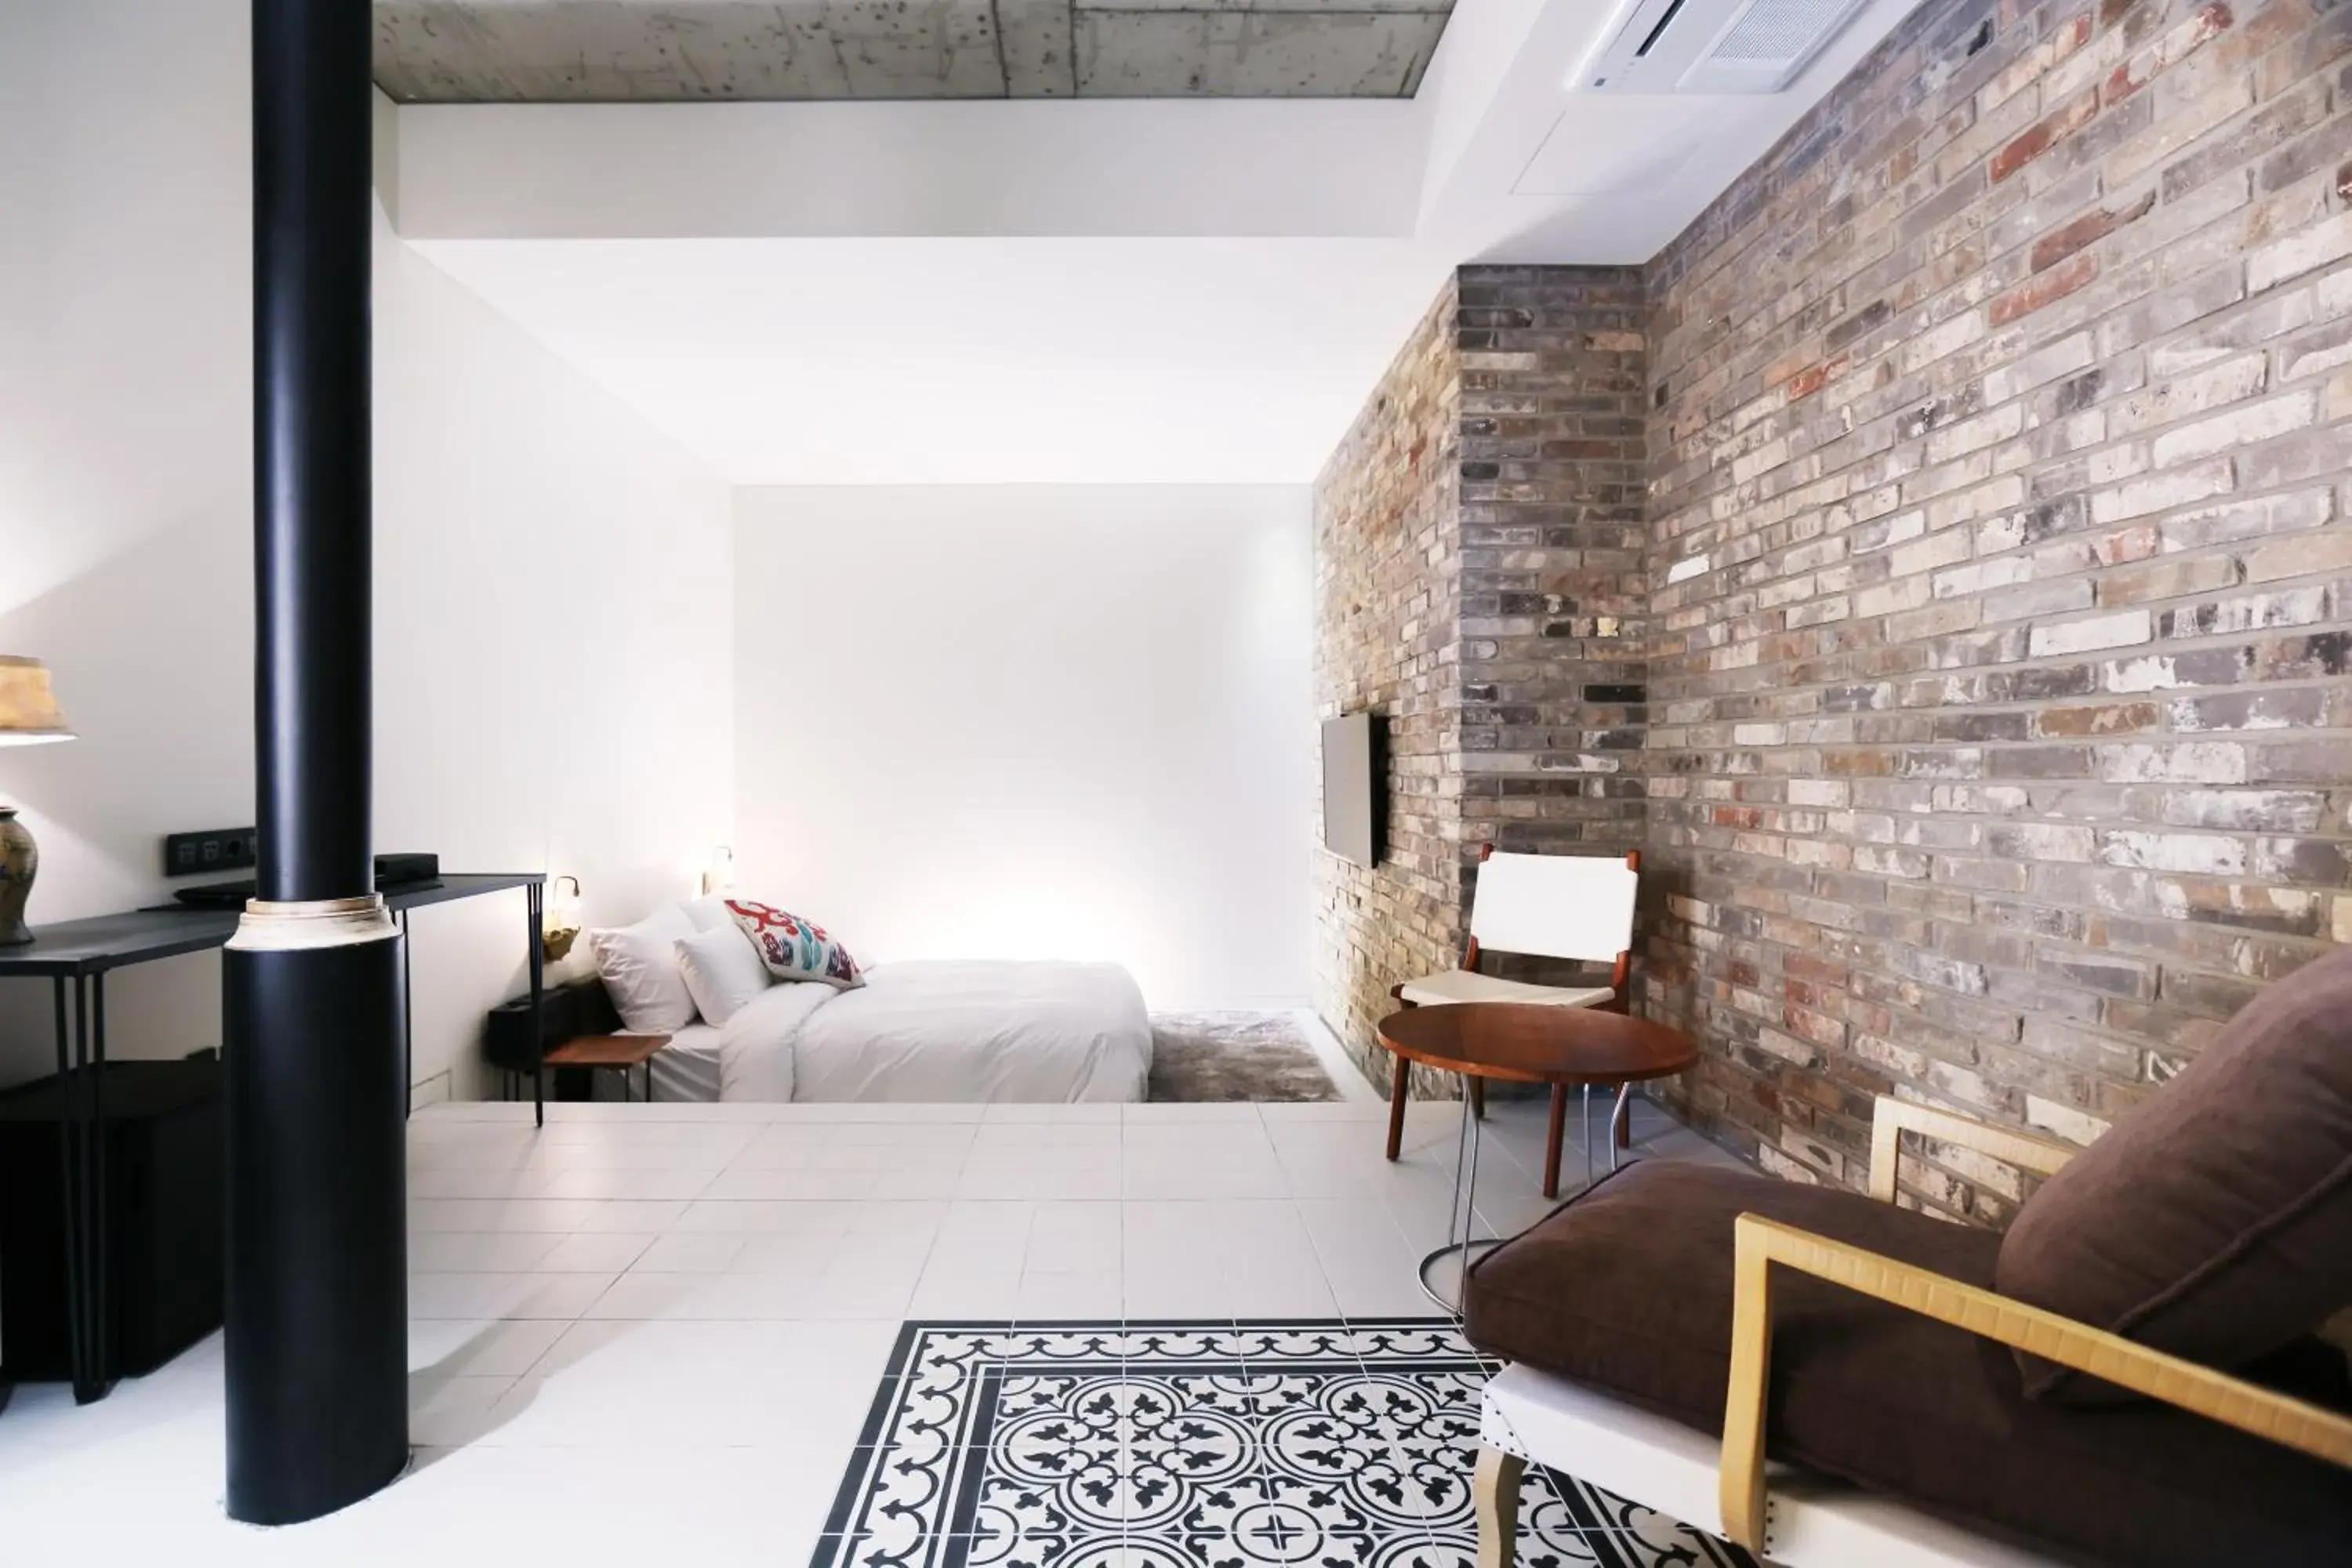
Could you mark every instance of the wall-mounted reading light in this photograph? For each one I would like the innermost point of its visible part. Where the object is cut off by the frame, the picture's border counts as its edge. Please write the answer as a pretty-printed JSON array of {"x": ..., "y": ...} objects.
[{"x": 558, "y": 927}]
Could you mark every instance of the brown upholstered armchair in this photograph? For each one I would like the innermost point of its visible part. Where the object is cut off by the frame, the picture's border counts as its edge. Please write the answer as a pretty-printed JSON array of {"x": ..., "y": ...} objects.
[{"x": 2128, "y": 1376}]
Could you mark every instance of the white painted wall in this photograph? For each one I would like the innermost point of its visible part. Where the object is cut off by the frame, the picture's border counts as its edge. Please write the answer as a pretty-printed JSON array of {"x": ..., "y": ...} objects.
[
  {"x": 553, "y": 646},
  {"x": 552, "y": 639},
  {"x": 125, "y": 466},
  {"x": 1033, "y": 721}
]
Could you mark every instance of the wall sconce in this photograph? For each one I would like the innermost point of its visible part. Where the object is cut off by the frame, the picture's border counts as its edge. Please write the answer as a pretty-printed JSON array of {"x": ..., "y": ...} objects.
[
  {"x": 28, "y": 717},
  {"x": 559, "y": 925},
  {"x": 720, "y": 876}
]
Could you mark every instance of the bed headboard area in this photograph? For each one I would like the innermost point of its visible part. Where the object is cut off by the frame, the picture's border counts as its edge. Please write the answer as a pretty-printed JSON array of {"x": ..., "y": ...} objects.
[{"x": 568, "y": 1012}]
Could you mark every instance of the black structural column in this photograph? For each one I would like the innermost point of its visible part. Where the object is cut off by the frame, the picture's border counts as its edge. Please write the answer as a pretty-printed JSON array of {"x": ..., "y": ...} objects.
[{"x": 316, "y": 1346}]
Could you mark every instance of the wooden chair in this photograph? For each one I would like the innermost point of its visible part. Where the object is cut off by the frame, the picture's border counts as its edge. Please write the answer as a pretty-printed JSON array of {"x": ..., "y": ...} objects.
[
  {"x": 1810, "y": 1524},
  {"x": 1574, "y": 907}
]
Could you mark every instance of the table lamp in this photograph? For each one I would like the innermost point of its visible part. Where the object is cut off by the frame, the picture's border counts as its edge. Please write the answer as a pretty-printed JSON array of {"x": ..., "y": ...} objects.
[{"x": 28, "y": 717}]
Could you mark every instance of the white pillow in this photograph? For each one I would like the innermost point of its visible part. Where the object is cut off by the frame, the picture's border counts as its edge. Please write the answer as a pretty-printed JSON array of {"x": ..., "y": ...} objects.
[
  {"x": 708, "y": 913},
  {"x": 638, "y": 965},
  {"x": 723, "y": 971}
]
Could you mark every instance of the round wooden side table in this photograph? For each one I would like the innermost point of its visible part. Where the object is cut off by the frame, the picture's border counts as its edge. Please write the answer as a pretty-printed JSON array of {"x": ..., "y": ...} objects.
[{"x": 1522, "y": 1042}]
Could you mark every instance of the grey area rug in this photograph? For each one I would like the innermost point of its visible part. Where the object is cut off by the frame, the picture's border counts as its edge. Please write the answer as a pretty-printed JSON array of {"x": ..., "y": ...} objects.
[
  {"x": 1322, "y": 1443},
  {"x": 1199, "y": 1057}
]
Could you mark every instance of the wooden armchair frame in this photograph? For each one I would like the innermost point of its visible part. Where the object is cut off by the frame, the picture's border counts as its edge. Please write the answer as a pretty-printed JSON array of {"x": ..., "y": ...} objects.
[{"x": 1760, "y": 1243}]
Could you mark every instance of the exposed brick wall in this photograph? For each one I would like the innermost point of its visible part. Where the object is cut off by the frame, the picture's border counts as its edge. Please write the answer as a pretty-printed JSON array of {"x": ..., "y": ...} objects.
[
  {"x": 1478, "y": 564},
  {"x": 2002, "y": 746},
  {"x": 1552, "y": 556},
  {"x": 1387, "y": 590}
]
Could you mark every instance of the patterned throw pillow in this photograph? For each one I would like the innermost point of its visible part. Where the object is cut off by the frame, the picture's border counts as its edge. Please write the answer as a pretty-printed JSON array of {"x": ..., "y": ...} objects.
[{"x": 795, "y": 948}]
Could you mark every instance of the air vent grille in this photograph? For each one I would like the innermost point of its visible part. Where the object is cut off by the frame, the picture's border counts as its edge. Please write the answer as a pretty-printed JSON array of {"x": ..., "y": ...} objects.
[
  {"x": 1715, "y": 45},
  {"x": 1773, "y": 31}
]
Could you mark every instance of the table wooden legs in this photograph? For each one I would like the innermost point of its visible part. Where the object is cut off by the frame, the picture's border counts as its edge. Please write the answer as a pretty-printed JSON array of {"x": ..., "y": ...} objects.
[
  {"x": 1552, "y": 1136},
  {"x": 1396, "y": 1106}
]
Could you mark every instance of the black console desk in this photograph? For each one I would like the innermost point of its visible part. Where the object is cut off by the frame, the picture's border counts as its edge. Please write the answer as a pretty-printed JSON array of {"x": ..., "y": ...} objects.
[{"x": 76, "y": 957}]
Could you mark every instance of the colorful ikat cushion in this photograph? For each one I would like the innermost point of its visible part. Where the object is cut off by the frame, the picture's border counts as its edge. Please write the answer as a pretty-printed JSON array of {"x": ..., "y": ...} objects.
[{"x": 793, "y": 948}]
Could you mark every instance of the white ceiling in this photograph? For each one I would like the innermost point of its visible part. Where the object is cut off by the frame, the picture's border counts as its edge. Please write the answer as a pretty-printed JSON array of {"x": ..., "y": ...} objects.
[{"x": 1057, "y": 292}]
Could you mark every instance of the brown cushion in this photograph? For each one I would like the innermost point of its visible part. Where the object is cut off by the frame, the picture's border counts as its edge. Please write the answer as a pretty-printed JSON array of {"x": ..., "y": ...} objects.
[
  {"x": 1629, "y": 1290},
  {"x": 2215, "y": 1221}
]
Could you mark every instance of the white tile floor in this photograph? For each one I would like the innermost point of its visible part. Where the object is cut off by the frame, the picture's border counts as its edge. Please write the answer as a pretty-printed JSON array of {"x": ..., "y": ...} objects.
[{"x": 648, "y": 1333}]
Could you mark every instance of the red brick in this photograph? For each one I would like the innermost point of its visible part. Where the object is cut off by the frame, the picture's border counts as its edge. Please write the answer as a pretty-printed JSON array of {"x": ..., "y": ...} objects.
[
  {"x": 1814, "y": 377},
  {"x": 2125, "y": 544},
  {"x": 2045, "y": 134},
  {"x": 2090, "y": 228},
  {"x": 2112, "y": 719},
  {"x": 2210, "y": 23},
  {"x": 2047, "y": 289},
  {"x": 2169, "y": 50}
]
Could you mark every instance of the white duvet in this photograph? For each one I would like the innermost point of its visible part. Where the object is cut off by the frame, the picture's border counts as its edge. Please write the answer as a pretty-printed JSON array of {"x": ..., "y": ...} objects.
[{"x": 956, "y": 1033}]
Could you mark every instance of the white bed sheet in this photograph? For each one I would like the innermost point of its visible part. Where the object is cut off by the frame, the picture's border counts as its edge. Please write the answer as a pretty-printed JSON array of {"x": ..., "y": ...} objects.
[
  {"x": 687, "y": 1068},
  {"x": 953, "y": 1033}
]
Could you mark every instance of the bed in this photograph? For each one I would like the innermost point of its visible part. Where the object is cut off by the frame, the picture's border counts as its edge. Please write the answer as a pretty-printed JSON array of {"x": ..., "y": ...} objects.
[
  {"x": 942, "y": 1032},
  {"x": 760, "y": 1006}
]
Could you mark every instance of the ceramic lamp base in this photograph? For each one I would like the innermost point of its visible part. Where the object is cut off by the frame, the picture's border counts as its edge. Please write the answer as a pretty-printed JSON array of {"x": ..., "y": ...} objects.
[{"x": 19, "y": 858}]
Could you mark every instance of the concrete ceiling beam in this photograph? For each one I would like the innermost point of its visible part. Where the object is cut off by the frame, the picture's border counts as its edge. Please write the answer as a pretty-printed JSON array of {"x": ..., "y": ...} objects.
[{"x": 682, "y": 51}]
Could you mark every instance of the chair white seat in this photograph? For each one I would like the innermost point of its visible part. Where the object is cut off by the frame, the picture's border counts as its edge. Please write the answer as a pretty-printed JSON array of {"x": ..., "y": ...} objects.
[
  {"x": 1453, "y": 985},
  {"x": 1815, "y": 1522}
]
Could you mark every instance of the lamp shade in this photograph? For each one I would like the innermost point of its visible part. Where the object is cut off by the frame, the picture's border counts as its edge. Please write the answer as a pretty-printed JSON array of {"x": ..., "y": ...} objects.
[{"x": 28, "y": 708}]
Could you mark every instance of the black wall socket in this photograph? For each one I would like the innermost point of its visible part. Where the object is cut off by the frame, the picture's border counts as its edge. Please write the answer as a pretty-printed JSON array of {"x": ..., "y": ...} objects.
[{"x": 218, "y": 850}]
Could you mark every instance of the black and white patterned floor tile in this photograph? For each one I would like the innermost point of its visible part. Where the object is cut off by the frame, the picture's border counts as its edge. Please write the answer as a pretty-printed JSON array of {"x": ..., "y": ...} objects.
[{"x": 1204, "y": 1445}]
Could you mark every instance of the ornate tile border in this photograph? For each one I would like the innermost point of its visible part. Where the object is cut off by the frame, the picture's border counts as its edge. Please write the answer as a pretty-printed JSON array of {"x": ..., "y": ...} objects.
[{"x": 1324, "y": 1443}]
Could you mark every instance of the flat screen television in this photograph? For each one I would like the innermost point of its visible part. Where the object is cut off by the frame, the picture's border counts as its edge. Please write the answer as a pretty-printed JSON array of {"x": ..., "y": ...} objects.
[{"x": 1355, "y": 787}]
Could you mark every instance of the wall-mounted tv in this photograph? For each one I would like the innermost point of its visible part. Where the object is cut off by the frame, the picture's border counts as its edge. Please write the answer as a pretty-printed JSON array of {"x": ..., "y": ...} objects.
[{"x": 1355, "y": 787}]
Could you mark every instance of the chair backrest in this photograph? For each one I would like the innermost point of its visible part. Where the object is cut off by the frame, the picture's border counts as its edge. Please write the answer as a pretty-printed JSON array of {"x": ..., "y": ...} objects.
[{"x": 1554, "y": 906}]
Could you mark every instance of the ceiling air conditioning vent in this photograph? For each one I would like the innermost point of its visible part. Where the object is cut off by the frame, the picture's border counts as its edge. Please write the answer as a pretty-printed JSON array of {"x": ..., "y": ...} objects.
[{"x": 1715, "y": 45}]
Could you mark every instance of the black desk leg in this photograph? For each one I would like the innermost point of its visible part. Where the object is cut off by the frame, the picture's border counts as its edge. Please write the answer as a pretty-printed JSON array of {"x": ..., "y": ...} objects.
[
  {"x": 99, "y": 1336},
  {"x": 531, "y": 913},
  {"x": 70, "y": 1188},
  {"x": 81, "y": 1149},
  {"x": 407, "y": 1020}
]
